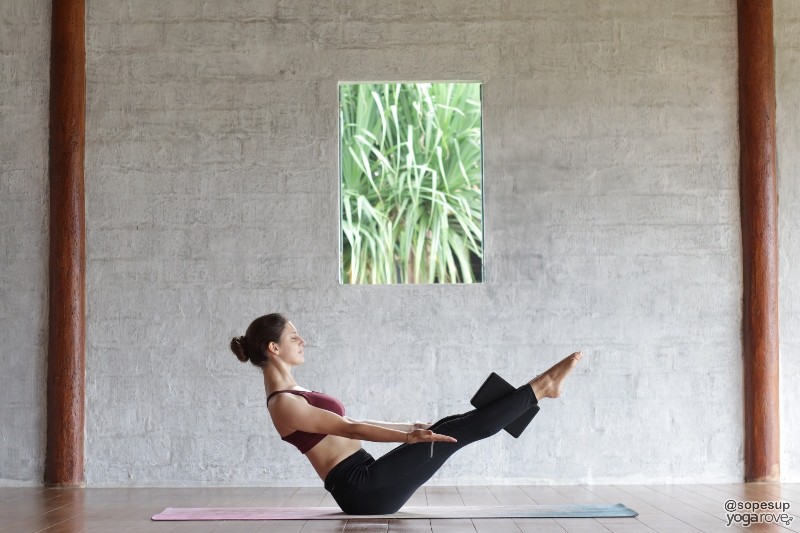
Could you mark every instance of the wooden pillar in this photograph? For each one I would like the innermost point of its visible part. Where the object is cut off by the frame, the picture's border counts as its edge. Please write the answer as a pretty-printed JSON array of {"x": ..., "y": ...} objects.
[
  {"x": 66, "y": 342},
  {"x": 759, "y": 215}
]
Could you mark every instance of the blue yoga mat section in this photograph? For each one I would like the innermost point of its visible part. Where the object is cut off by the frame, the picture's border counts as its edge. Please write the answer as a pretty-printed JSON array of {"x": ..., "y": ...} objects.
[{"x": 432, "y": 512}]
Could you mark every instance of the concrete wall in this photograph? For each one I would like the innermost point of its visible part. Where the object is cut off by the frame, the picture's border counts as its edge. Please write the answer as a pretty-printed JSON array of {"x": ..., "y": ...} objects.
[
  {"x": 611, "y": 224},
  {"x": 787, "y": 84},
  {"x": 24, "y": 90}
]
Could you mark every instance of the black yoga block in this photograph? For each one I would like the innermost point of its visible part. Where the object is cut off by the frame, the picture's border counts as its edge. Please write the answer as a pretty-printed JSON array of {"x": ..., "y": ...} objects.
[{"x": 495, "y": 388}]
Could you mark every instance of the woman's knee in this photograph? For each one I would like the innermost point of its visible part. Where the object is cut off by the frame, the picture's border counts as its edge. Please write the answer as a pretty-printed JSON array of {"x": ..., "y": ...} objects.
[
  {"x": 444, "y": 420},
  {"x": 468, "y": 431}
]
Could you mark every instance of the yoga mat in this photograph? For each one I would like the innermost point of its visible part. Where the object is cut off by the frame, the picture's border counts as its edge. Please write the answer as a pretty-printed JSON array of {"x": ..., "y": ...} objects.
[{"x": 334, "y": 513}]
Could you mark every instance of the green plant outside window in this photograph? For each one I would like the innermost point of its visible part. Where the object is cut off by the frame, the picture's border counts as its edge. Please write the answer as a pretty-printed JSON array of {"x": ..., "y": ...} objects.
[{"x": 411, "y": 183}]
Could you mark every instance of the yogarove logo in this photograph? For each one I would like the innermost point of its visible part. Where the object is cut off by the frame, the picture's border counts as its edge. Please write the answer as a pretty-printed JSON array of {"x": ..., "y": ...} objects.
[{"x": 746, "y": 512}]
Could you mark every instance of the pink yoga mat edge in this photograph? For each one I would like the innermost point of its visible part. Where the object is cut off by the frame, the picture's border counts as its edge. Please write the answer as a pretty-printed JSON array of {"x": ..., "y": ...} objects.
[
  {"x": 431, "y": 512},
  {"x": 249, "y": 513}
]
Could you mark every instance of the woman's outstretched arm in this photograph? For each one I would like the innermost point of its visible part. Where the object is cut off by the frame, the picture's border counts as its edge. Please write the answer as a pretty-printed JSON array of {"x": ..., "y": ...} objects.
[{"x": 398, "y": 426}]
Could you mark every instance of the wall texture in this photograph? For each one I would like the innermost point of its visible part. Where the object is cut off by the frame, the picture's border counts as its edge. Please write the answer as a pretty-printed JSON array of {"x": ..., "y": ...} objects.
[
  {"x": 24, "y": 88},
  {"x": 787, "y": 83},
  {"x": 611, "y": 224}
]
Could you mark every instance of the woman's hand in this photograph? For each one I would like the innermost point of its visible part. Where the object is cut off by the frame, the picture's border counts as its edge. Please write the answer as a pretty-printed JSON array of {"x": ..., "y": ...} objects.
[{"x": 426, "y": 435}]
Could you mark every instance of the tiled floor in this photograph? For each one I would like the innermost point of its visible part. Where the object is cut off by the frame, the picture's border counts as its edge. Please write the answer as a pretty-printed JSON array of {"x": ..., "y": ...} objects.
[{"x": 667, "y": 508}]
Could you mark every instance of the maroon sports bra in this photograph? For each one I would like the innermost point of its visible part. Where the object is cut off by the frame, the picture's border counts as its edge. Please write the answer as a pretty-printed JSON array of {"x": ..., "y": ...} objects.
[{"x": 302, "y": 439}]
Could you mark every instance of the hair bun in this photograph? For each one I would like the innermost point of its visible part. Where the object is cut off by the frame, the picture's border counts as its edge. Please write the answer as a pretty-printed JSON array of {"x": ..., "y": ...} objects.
[{"x": 239, "y": 347}]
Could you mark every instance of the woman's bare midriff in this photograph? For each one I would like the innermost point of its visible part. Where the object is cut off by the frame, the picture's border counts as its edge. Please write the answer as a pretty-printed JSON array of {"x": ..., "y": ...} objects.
[{"x": 331, "y": 451}]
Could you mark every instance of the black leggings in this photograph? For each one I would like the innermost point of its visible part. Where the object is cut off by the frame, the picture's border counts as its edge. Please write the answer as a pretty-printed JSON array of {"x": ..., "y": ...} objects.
[{"x": 360, "y": 484}]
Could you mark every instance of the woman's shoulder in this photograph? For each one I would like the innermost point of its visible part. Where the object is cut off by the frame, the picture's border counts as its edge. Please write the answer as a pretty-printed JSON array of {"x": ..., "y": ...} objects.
[{"x": 292, "y": 392}]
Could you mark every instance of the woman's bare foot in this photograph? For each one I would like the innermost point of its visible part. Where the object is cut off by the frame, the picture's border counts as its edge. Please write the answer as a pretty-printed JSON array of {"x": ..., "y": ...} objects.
[{"x": 549, "y": 383}]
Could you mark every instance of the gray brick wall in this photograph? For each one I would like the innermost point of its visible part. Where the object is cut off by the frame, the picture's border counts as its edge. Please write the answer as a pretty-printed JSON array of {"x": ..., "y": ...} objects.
[
  {"x": 611, "y": 223},
  {"x": 787, "y": 60},
  {"x": 24, "y": 89}
]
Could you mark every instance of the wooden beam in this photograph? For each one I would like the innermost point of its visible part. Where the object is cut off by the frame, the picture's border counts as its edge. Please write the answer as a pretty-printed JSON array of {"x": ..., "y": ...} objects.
[
  {"x": 759, "y": 217},
  {"x": 66, "y": 342}
]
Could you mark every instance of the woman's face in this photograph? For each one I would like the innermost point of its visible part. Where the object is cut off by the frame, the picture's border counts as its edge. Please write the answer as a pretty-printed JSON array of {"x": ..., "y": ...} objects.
[{"x": 290, "y": 348}]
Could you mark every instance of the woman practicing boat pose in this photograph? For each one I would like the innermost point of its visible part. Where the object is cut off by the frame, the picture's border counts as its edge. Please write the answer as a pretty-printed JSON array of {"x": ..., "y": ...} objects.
[{"x": 315, "y": 423}]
